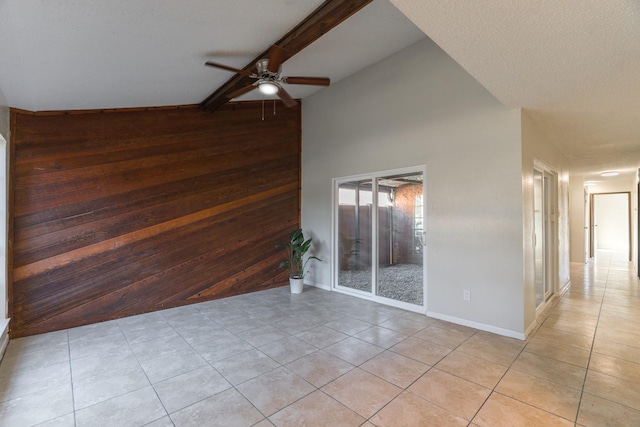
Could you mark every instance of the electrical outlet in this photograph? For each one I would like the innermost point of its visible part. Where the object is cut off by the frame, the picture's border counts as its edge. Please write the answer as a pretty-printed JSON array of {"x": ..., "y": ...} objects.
[{"x": 466, "y": 295}]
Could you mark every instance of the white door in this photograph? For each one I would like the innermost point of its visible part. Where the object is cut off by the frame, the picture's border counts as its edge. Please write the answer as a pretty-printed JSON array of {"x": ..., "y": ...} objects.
[
  {"x": 612, "y": 222},
  {"x": 586, "y": 226}
]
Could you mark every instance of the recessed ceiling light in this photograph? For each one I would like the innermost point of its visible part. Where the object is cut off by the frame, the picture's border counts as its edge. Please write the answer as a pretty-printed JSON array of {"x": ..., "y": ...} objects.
[
  {"x": 589, "y": 183},
  {"x": 610, "y": 173}
]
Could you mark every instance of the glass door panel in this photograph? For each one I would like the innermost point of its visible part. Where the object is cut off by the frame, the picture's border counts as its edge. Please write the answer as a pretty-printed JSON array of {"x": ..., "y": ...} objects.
[
  {"x": 400, "y": 236},
  {"x": 549, "y": 243},
  {"x": 538, "y": 209},
  {"x": 545, "y": 234},
  {"x": 354, "y": 234}
]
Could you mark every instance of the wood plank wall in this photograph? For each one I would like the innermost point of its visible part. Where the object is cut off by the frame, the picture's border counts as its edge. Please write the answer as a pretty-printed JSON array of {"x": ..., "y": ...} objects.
[{"x": 114, "y": 213}]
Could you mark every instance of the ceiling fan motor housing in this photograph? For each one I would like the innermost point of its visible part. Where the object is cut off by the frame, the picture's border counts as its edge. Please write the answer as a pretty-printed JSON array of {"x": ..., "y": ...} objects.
[{"x": 264, "y": 73}]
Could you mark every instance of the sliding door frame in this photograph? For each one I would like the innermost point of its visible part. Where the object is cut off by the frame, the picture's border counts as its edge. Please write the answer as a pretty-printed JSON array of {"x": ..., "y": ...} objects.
[
  {"x": 335, "y": 261},
  {"x": 549, "y": 234}
]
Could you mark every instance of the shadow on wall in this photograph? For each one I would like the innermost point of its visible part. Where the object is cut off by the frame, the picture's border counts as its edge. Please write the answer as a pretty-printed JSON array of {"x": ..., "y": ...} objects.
[
  {"x": 4, "y": 116},
  {"x": 4, "y": 137}
]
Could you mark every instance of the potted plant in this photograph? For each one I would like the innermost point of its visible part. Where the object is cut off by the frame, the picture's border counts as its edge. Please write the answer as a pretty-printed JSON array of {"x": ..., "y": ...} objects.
[{"x": 296, "y": 248}]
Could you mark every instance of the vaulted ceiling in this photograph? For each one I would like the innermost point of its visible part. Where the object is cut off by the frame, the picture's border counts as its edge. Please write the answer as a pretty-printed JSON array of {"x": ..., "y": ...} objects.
[
  {"x": 63, "y": 55},
  {"x": 573, "y": 64}
]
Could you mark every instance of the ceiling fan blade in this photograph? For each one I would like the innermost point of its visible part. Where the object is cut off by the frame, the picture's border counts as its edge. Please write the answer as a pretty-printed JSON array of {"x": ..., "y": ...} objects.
[
  {"x": 277, "y": 55},
  {"x": 287, "y": 100},
  {"x": 242, "y": 91},
  {"x": 316, "y": 81},
  {"x": 233, "y": 70}
]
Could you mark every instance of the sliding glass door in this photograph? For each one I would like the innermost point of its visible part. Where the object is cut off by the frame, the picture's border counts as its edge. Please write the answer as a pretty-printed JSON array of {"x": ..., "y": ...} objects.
[
  {"x": 354, "y": 234},
  {"x": 380, "y": 237},
  {"x": 545, "y": 233},
  {"x": 401, "y": 238}
]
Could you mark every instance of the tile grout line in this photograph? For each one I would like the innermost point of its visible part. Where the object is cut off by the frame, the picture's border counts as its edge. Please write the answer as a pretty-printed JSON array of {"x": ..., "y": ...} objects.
[
  {"x": 431, "y": 367},
  {"x": 493, "y": 390},
  {"x": 593, "y": 342},
  {"x": 233, "y": 386},
  {"x": 406, "y": 389},
  {"x": 586, "y": 371},
  {"x": 592, "y": 347},
  {"x": 73, "y": 399},
  {"x": 145, "y": 372}
]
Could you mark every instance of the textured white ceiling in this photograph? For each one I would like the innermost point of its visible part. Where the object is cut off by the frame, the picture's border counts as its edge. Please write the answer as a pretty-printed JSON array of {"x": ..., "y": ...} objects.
[
  {"x": 574, "y": 63},
  {"x": 82, "y": 54}
]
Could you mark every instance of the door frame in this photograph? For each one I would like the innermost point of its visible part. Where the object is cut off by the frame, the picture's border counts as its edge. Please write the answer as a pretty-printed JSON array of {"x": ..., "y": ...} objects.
[
  {"x": 551, "y": 239},
  {"x": 335, "y": 259},
  {"x": 585, "y": 234},
  {"x": 592, "y": 214}
]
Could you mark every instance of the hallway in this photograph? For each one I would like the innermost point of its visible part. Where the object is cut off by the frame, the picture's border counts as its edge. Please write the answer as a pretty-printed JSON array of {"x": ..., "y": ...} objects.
[
  {"x": 595, "y": 324},
  {"x": 326, "y": 359}
]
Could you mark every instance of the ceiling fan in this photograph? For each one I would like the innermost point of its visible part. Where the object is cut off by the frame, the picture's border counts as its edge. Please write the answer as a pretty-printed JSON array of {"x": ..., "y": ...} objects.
[{"x": 268, "y": 78}]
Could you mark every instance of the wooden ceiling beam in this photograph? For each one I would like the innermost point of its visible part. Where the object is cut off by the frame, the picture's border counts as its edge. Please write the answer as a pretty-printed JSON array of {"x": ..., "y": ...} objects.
[{"x": 329, "y": 15}]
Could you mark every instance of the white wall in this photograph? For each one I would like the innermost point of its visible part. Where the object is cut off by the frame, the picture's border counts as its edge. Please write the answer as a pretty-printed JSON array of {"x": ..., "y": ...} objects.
[
  {"x": 634, "y": 222},
  {"x": 4, "y": 137},
  {"x": 612, "y": 218},
  {"x": 537, "y": 146},
  {"x": 419, "y": 107},
  {"x": 4, "y": 116},
  {"x": 576, "y": 218}
]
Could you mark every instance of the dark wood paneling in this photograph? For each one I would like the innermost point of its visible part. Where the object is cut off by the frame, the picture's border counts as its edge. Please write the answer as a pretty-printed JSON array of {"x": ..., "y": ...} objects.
[{"x": 115, "y": 213}]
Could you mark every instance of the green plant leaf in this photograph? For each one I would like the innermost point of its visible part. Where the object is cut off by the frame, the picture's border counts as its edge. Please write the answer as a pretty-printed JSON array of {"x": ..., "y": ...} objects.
[{"x": 296, "y": 249}]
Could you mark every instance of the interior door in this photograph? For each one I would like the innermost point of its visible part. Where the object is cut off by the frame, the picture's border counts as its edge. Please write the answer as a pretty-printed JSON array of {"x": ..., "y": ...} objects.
[
  {"x": 594, "y": 226},
  {"x": 612, "y": 222},
  {"x": 550, "y": 235},
  {"x": 586, "y": 226},
  {"x": 538, "y": 241}
]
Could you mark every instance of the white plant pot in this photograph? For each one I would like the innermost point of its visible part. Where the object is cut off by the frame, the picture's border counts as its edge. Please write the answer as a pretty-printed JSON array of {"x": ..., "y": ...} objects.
[{"x": 296, "y": 285}]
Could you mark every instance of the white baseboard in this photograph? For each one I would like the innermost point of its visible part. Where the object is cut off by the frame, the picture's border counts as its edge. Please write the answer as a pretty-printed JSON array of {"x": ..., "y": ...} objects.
[
  {"x": 316, "y": 285},
  {"x": 447, "y": 318},
  {"x": 476, "y": 325},
  {"x": 4, "y": 336},
  {"x": 565, "y": 288},
  {"x": 531, "y": 327}
]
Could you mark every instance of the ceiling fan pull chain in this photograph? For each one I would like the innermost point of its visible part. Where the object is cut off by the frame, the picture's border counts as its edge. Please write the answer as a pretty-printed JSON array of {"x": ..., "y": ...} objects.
[
  {"x": 263, "y": 109},
  {"x": 274, "y": 106}
]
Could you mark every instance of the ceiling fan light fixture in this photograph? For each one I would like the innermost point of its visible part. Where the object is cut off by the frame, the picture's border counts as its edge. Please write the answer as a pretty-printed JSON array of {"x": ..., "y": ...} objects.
[{"x": 268, "y": 87}]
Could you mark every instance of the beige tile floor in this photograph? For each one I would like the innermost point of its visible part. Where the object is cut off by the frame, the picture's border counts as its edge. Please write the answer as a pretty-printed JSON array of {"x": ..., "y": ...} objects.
[{"x": 326, "y": 359}]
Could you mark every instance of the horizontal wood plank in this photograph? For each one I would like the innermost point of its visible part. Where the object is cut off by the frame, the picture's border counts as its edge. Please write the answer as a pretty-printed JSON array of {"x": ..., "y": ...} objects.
[{"x": 122, "y": 212}]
